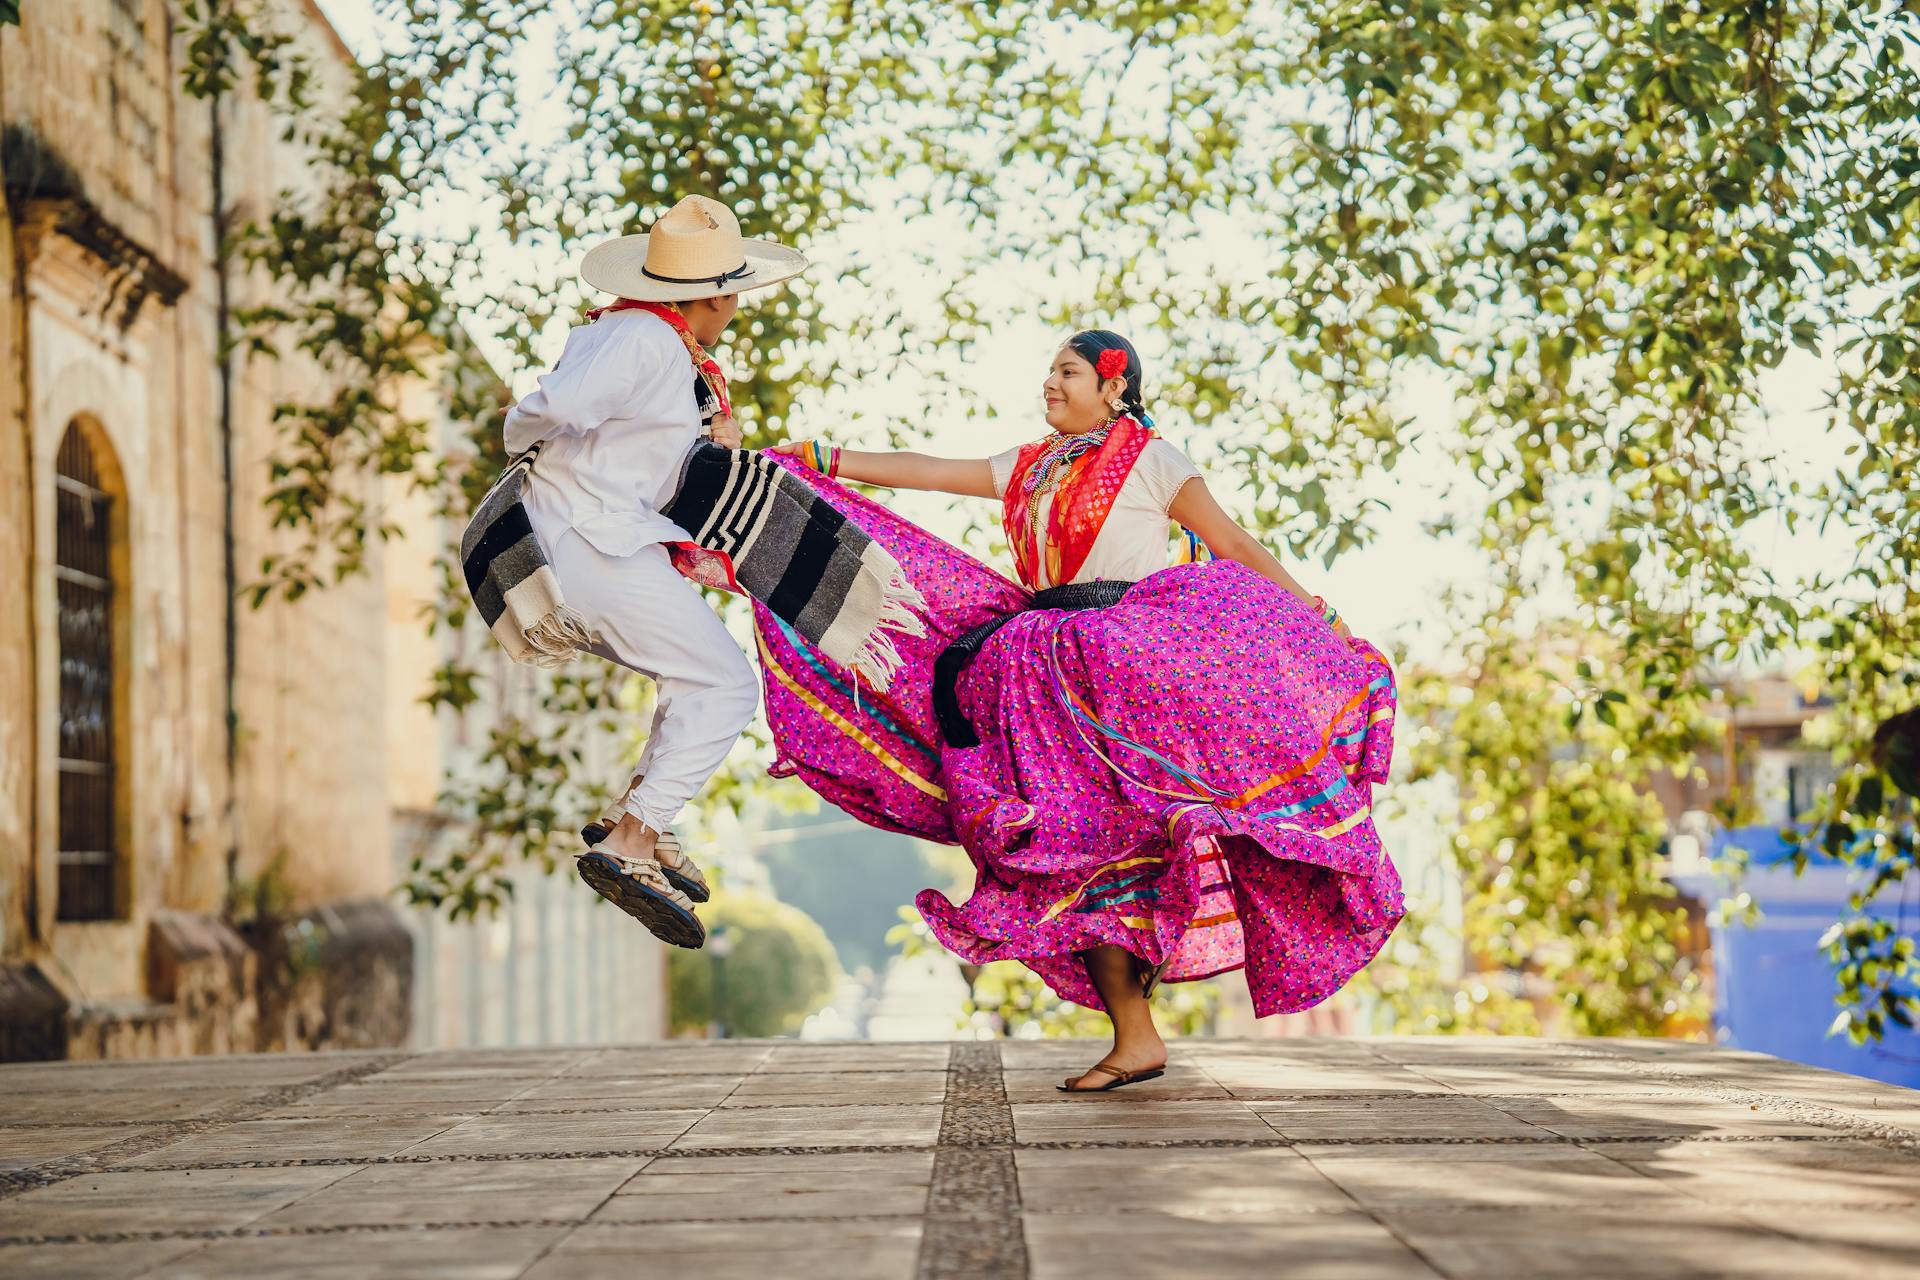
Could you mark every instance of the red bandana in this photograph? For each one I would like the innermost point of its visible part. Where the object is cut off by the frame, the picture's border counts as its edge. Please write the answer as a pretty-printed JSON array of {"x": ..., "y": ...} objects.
[
  {"x": 703, "y": 364},
  {"x": 1081, "y": 500}
]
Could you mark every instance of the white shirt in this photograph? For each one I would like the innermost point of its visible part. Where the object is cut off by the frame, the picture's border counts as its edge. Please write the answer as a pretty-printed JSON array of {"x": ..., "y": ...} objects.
[
  {"x": 1134, "y": 541},
  {"x": 617, "y": 416}
]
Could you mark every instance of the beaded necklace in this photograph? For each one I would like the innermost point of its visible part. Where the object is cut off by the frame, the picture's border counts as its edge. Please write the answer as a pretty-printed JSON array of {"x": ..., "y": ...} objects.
[{"x": 1054, "y": 464}]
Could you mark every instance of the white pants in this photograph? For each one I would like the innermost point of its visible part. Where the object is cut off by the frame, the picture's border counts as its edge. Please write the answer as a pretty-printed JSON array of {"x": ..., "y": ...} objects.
[{"x": 650, "y": 619}]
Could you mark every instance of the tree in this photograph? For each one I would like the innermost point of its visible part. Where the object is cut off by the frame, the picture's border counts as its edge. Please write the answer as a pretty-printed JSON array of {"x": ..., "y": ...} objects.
[
  {"x": 779, "y": 968},
  {"x": 1600, "y": 225}
]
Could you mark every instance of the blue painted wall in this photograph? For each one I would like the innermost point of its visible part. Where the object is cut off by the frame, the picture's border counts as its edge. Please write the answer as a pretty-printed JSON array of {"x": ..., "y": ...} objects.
[{"x": 1773, "y": 985}]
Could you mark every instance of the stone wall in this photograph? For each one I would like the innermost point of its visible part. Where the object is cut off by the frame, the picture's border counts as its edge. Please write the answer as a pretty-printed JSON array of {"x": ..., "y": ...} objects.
[{"x": 108, "y": 317}]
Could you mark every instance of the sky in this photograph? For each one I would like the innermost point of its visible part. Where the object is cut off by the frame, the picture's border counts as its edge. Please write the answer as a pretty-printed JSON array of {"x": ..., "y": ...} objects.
[{"x": 1389, "y": 591}]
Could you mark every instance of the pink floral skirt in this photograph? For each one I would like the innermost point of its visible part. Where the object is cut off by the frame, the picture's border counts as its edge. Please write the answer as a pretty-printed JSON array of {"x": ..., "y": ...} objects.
[{"x": 1187, "y": 774}]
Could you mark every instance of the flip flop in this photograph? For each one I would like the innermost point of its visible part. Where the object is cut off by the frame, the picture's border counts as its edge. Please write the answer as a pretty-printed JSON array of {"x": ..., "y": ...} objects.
[
  {"x": 642, "y": 891},
  {"x": 1119, "y": 1078}
]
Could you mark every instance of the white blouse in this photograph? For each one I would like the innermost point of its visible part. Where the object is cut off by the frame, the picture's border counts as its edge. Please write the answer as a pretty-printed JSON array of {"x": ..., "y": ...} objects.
[{"x": 1134, "y": 541}]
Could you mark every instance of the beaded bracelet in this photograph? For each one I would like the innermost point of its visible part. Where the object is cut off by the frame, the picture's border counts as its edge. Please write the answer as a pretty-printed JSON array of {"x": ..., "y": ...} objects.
[{"x": 1328, "y": 613}]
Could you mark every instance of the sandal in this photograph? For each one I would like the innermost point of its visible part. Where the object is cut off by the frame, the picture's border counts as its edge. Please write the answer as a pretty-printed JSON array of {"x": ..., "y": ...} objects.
[
  {"x": 680, "y": 870},
  {"x": 643, "y": 891},
  {"x": 1150, "y": 977},
  {"x": 1119, "y": 1078}
]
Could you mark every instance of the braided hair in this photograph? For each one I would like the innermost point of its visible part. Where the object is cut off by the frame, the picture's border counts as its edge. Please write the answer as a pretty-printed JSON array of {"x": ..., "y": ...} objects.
[{"x": 1089, "y": 343}]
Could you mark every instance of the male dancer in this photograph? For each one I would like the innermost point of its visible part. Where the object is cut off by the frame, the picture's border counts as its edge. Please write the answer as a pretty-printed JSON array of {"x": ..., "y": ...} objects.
[{"x": 615, "y": 419}]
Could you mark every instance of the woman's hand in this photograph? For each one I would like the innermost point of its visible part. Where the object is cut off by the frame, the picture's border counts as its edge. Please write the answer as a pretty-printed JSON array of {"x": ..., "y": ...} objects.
[
  {"x": 726, "y": 432},
  {"x": 969, "y": 477}
]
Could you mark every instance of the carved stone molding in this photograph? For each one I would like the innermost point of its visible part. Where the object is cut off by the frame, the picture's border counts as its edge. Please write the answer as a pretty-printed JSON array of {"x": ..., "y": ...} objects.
[{"x": 68, "y": 235}]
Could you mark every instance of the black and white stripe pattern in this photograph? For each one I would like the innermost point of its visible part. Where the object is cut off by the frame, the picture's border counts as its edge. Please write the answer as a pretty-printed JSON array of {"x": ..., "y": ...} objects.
[
  {"x": 813, "y": 568},
  {"x": 512, "y": 584}
]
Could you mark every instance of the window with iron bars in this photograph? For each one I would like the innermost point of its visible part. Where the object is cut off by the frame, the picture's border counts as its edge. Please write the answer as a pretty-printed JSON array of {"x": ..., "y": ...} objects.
[{"x": 89, "y": 856}]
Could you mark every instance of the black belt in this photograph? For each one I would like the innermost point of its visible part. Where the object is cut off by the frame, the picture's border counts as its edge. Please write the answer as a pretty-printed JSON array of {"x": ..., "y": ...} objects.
[{"x": 954, "y": 658}]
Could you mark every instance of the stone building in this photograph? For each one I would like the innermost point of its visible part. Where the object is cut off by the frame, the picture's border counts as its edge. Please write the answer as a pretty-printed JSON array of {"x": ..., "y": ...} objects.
[{"x": 172, "y": 759}]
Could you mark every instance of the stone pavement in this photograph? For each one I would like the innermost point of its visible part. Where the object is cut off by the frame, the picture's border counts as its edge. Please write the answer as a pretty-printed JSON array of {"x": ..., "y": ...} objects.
[{"x": 1294, "y": 1158}]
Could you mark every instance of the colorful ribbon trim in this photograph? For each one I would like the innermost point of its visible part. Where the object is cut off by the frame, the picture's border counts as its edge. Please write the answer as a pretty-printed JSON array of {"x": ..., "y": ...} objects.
[
  {"x": 839, "y": 686},
  {"x": 1203, "y": 793},
  {"x": 1074, "y": 897},
  {"x": 840, "y": 722}
]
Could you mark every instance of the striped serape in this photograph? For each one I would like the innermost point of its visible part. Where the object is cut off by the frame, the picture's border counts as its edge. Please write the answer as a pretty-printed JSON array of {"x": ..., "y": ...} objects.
[
  {"x": 510, "y": 580},
  {"x": 814, "y": 569}
]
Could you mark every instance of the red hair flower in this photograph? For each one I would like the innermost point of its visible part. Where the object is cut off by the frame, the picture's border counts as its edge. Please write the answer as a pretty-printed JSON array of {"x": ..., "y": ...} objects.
[{"x": 1112, "y": 363}]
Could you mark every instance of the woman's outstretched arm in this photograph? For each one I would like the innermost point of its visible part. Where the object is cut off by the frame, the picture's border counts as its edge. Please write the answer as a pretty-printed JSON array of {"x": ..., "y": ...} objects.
[
  {"x": 1195, "y": 508},
  {"x": 904, "y": 469}
]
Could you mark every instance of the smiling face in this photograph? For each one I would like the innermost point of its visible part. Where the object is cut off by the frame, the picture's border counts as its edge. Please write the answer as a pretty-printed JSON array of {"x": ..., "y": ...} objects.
[{"x": 1077, "y": 400}]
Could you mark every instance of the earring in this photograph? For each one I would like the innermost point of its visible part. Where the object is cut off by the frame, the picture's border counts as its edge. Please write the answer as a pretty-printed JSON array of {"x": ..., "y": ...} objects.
[{"x": 1116, "y": 404}]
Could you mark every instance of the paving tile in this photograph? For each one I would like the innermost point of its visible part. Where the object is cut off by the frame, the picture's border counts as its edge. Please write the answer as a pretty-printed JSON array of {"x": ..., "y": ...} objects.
[
  {"x": 1668, "y": 1116},
  {"x": 461, "y": 1191},
  {"x": 534, "y": 1133},
  {"x": 1061, "y": 1054},
  {"x": 1579, "y": 1076},
  {"x": 1115, "y": 1247},
  {"x": 1465, "y": 1049},
  {"x": 1784, "y": 1173},
  {"x": 1852, "y": 1242},
  {"x": 883, "y": 1249},
  {"x": 858, "y": 1057},
  {"x": 405, "y": 1109},
  {"x": 1660, "y": 1242},
  {"x": 458, "y": 1254},
  {"x": 427, "y": 1092},
  {"x": 1227, "y": 1185},
  {"x": 481, "y": 1062},
  {"x": 250, "y": 1072},
  {"x": 840, "y": 1185},
  {"x": 1417, "y": 1116},
  {"x": 1041, "y": 1084},
  {"x": 651, "y": 1092},
  {"x": 318, "y": 1139},
  {"x": 89, "y": 1261},
  {"x": 808, "y": 1126},
  {"x": 119, "y": 1106},
  {"x": 1900, "y": 1108},
  {"x": 1646, "y": 1048},
  {"x": 142, "y": 1200},
  {"x": 22, "y": 1148},
  {"x": 1299, "y": 1078},
  {"x": 822, "y": 1088},
  {"x": 697, "y": 1058},
  {"x": 1463, "y": 1175},
  {"x": 1120, "y": 1118}
]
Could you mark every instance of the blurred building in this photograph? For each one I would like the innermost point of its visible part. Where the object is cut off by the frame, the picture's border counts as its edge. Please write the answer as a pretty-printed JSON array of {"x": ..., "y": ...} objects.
[
  {"x": 202, "y": 804},
  {"x": 1773, "y": 983}
]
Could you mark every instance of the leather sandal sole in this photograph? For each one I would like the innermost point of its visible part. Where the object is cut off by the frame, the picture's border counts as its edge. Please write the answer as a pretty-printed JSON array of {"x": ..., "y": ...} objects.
[
  {"x": 665, "y": 919},
  {"x": 593, "y": 833}
]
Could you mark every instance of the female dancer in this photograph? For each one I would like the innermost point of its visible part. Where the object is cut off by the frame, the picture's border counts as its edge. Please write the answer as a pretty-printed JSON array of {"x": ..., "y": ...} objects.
[{"x": 1159, "y": 773}]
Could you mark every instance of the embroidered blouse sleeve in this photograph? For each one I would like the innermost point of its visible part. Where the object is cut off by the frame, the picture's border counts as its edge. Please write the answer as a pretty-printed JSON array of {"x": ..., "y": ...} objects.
[
  {"x": 598, "y": 376},
  {"x": 1162, "y": 470},
  {"x": 1001, "y": 465}
]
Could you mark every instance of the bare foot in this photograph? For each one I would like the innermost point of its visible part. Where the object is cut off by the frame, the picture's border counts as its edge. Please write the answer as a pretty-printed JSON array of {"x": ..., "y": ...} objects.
[{"x": 1136, "y": 1041}]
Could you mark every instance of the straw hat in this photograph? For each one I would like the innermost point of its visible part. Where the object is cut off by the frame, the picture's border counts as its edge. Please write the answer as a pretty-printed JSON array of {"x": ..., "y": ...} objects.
[{"x": 695, "y": 250}]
